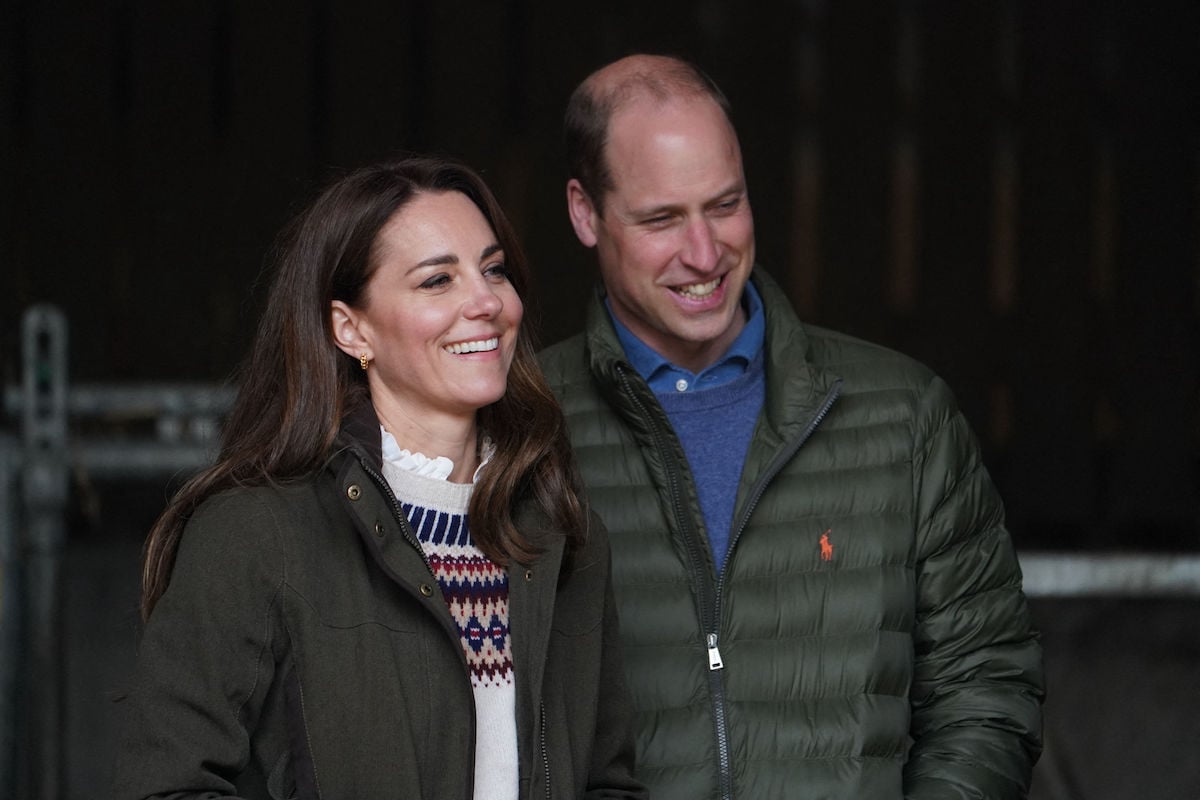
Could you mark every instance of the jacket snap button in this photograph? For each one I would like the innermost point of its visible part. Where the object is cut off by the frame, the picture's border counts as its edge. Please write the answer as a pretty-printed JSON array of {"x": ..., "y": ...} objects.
[
  {"x": 426, "y": 590},
  {"x": 528, "y": 574},
  {"x": 354, "y": 491},
  {"x": 379, "y": 529}
]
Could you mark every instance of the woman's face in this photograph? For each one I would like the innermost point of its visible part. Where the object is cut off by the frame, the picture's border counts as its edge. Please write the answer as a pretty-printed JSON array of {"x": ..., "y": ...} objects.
[{"x": 440, "y": 318}]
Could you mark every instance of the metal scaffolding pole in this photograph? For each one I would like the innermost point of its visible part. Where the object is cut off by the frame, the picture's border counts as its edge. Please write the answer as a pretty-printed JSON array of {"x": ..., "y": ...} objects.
[
  {"x": 45, "y": 495},
  {"x": 10, "y": 613},
  {"x": 1098, "y": 574}
]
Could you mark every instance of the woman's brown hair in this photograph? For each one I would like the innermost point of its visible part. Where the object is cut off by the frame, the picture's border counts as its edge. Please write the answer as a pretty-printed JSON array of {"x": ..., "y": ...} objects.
[{"x": 296, "y": 386}]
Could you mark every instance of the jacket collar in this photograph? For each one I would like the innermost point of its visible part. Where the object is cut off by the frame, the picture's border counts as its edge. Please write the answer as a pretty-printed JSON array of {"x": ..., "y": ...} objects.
[
  {"x": 360, "y": 432},
  {"x": 796, "y": 385},
  {"x": 359, "y": 436}
]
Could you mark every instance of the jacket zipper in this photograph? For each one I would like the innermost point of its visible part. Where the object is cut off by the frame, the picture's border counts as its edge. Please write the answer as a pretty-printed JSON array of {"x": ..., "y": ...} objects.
[
  {"x": 545, "y": 752},
  {"x": 411, "y": 538},
  {"x": 711, "y": 624},
  {"x": 704, "y": 590},
  {"x": 673, "y": 481},
  {"x": 761, "y": 487}
]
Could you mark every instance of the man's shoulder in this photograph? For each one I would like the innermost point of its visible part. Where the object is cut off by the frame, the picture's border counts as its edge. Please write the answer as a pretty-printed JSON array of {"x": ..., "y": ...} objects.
[
  {"x": 859, "y": 361},
  {"x": 791, "y": 343},
  {"x": 564, "y": 361}
]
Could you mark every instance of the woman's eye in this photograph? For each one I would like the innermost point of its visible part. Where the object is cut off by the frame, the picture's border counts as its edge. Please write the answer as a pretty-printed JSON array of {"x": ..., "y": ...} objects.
[
  {"x": 435, "y": 281},
  {"x": 498, "y": 270}
]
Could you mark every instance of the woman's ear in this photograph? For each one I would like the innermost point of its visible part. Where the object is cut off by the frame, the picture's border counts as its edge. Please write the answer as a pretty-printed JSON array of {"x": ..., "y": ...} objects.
[{"x": 347, "y": 333}]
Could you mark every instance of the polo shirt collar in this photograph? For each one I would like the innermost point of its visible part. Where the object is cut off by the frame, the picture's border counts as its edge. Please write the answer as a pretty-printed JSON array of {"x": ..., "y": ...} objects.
[{"x": 663, "y": 376}]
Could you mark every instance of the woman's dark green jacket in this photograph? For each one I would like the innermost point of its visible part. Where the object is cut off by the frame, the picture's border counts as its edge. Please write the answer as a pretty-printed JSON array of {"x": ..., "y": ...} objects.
[{"x": 303, "y": 650}]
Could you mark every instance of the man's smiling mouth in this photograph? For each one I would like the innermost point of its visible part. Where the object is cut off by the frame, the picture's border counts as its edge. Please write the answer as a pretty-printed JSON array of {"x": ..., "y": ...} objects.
[{"x": 697, "y": 291}]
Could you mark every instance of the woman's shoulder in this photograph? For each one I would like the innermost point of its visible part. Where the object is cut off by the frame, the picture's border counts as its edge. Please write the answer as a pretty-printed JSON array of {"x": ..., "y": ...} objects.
[
  {"x": 258, "y": 500},
  {"x": 254, "y": 515}
]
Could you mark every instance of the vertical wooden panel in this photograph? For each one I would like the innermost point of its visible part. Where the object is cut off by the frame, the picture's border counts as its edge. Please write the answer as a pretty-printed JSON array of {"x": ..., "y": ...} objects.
[
  {"x": 1003, "y": 265},
  {"x": 1104, "y": 222},
  {"x": 1005, "y": 257},
  {"x": 1156, "y": 120},
  {"x": 168, "y": 154},
  {"x": 16, "y": 282},
  {"x": 64, "y": 176},
  {"x": 377, "y": 82},
  {"x": 858, "y": 123},
  {"x": 804, "y": 276},
  {"x": 1005, "y": 166},
  {"x": 904, "y": 275}
]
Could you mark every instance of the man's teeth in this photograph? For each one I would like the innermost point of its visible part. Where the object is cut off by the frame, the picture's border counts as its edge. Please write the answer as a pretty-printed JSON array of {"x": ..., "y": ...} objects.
[
  {"x": 698, "y": 290},
  {"x": 480, "y": 346}
]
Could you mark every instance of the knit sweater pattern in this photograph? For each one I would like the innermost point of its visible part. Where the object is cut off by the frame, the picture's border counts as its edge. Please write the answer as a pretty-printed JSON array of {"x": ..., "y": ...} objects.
[{"x": 476, "y": 591}]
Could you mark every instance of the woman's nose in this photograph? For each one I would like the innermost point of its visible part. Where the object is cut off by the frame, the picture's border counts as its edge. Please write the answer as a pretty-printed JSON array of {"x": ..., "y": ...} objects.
[{"x": 484, "y": 301}]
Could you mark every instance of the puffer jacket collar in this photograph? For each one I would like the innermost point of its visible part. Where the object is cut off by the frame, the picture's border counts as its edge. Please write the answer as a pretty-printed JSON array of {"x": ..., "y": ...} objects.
[{"x": 796, "y": 386}]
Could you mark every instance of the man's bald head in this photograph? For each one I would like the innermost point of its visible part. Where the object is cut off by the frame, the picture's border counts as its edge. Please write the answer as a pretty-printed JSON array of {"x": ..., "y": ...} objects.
[{"x": 652, "y": 78}]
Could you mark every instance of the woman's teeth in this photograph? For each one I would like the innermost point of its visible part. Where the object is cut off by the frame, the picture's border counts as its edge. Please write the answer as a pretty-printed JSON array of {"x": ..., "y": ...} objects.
[{"x": 480, "y": 346}]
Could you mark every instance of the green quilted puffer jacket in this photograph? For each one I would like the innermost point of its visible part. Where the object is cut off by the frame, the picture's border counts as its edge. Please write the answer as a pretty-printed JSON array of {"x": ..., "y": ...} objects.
[{"x": 868, "y": 636}]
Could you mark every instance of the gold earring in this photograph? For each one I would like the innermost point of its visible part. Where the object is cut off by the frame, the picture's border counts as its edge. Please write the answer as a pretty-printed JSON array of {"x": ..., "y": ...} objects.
[{"x": 363, "y": 362}]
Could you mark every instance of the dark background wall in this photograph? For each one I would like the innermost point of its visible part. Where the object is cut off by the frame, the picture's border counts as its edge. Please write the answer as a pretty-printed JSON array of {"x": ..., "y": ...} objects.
[{"x": 1009, "y": 191}]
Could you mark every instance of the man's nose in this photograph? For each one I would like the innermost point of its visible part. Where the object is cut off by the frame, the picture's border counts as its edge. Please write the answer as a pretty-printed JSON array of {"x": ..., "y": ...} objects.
[{"x": 700, "y": 250}]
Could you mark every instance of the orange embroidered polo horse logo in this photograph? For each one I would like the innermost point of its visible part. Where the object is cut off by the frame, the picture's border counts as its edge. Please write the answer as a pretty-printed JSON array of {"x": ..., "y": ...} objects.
[{"x": 826, "y": 545}]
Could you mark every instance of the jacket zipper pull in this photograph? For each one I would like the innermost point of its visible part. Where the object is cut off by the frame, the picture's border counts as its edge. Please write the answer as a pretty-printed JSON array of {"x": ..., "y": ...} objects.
[{"x": 714, "y": 655}]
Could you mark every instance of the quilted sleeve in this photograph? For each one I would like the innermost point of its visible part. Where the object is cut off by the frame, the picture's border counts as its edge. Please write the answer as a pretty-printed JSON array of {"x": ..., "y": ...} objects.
[{"x": 978, "y": 685}]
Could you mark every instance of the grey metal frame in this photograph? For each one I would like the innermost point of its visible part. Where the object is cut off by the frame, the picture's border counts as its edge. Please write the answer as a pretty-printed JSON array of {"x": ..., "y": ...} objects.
[{"x": 35, "y": 470}]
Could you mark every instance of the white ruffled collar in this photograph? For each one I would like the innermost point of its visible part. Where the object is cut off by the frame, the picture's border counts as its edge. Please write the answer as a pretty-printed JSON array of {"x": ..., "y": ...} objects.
[{"x": 438, "y": 467}]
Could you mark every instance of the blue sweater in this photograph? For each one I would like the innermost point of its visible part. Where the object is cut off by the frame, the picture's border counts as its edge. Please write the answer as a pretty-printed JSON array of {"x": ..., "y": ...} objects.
[{"x": 714, "y": 426}]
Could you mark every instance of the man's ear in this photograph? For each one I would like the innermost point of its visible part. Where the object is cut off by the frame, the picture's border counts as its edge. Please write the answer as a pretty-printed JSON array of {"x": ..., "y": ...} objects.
[
  {"x": 583, "y": 214},
  {"x": 348, "y": 333}
]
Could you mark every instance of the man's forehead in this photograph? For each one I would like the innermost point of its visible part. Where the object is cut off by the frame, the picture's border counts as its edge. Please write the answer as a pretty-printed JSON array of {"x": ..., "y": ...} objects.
[
  {"x": 647, "y": 130},
  {"x": 655, "y": 187},
  {"x": 639, "y": 101},
  {"x": 641, "y": 116}
]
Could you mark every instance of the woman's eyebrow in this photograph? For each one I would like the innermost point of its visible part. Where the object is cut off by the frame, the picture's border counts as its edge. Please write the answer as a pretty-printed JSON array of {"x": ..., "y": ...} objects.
[{"x": 436, "y": 261}]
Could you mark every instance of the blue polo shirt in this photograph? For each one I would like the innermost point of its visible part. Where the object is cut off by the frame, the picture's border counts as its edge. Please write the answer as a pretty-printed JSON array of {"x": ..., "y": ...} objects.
[
  {"x": 663, "y": 376},
  {"x": 713, "y": 413}
]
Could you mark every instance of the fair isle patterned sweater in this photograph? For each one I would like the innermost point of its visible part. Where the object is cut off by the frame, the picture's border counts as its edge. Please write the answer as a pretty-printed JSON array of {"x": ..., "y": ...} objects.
[{"x": 476, "y": 590}]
